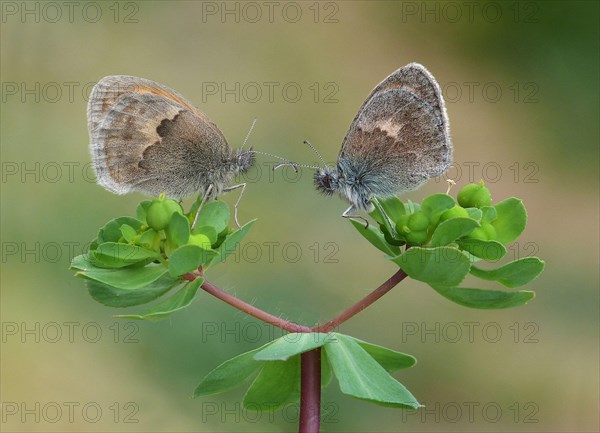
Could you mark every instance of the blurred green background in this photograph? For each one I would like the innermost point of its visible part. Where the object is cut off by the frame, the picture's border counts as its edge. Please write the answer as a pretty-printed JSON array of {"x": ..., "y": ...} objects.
[{"x": 521, "y": 84}]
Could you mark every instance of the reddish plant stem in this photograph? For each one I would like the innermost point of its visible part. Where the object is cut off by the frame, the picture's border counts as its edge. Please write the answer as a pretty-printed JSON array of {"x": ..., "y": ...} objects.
[
  {"x": 363, "y": 303},
  {"x": 310, "y": 391},
  {"x": 247, "y": 308}
]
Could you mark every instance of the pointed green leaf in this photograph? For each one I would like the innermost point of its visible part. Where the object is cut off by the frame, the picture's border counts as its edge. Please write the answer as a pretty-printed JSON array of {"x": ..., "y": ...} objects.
[
  {"x": 293, "y": 344},
  {"x": 178, "y": 230},
  {"x": 230, "y": 243},
  {"x": 214, "y": 214},
  {"x": 445, "y": 266},
  {"x": 113, "y": 297},
  {"x": 511, "y": 219},
  {"x": 180, "y": 300},
  {"x": 118, "y": 255},
  {"x": 129, "y": 278},
  {"x": 375, "y": 237},
  {"x": 188, "y": 258},
  {"x": 276, "y": 385},
  {"x": 360, "y": 376},
  {"x": 111, "y": 232},
  {"x": 513, "y": 274},
  {"x": 450, "y": 230},
  {"x": 230, "y": 373},
  {"x": 486, "y": 250},
  {"x": 485, "y": 299},
  {"x": 389, "y": 359}
]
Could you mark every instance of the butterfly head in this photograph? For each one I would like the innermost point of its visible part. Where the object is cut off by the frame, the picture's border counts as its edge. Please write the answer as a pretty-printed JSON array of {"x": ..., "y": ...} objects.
[
  {"x": 327, "y": 180},
  {"x": 244, "y": 160}
]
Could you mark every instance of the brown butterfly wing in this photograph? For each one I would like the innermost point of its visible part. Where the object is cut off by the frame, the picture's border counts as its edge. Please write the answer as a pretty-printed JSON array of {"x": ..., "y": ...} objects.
[
  {"x": 400, "y": 136},
  {"x": 145, "y": 137}
]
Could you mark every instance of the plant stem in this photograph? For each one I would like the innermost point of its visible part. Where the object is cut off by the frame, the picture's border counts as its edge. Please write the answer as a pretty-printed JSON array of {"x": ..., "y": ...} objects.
[
  {"x": 310, "y": 391},
  {"x": 363, "y": 303},
  {"x": 249, "y": 309},
  {"x": 310, "y": 362}
]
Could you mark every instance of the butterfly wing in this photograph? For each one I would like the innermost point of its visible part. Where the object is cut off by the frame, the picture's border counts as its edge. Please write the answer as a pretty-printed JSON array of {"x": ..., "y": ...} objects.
[
  {"x": 400, "y": 136},
  {"x": 146, "y": 137}
]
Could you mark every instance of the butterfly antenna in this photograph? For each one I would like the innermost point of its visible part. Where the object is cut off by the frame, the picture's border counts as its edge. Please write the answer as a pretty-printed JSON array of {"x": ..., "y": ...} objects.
[
  {"x": 316, "y": 151},
  {"x": 249, "y": 132}
]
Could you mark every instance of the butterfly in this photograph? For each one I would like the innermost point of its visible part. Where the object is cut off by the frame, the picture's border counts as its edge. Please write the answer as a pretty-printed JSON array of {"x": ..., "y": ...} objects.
[
  {"x": 399, "y": 139},
  {"x": 146, "y": 137}
]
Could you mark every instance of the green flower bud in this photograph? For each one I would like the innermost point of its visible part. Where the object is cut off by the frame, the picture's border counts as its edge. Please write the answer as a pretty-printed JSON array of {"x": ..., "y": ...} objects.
[
  {"x": 150, "y": 239},
  {"x": 159, "y": 213},
  {"x": 474, "y": 195},
  {"x": 417, "y": 237},
  {"x": 201, "y": 240},
  {"x": 418, "y": 221},
  {"x": 489, "y": 230},
  {"x": 478, "y": 233},
  {"x": 402, "y": 225},
  {"x": 173, "y": 206},
  {"x": 456, "y": 212}
]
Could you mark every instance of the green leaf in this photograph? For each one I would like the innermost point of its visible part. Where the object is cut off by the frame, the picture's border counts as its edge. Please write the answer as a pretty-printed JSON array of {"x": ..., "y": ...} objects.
[
  {"x": 128, "y": 233},
  {"x": 488, "y": 214},
  {"x": 129, "y": 278},
  {"x": 474, "y": 213},
  {"x": 437, "y": 204},
  {"x": 389, "y": 359},
  {"x": 82, "y": 263},
  {"x": 393, "y": 207},
  {"x": 111, "y": 232},
  {"x": 230, "y": 243},
  {"x": 180, "y": 300},
  {"x": 140, "y": 211},
  {"x": 178, "y": 230},
  {"x": 442, "y": 266},
  {"x": 230, "y": 374},
  {"x": 214, "y": 214},
  {"x": 487, "y": 250},
  {"x": 485, "y": 299},
  {"x": 293, "y": 344},
  {"x": 113, "y": 297},
  {"x": 513, "y": 274},
  {"x": 277, "y": 384},
  {"x": 375, "y": 237},
  {"x": 188, "y": 258},
  {"x": 118, "y": 255},
  {"x": 361, "y": 376},
  {"x": 387, "y": 211},
  {"x": 450, "y": 230},
  {"x": 326, "y": 373},
  {"x": 511, "y": 219}
]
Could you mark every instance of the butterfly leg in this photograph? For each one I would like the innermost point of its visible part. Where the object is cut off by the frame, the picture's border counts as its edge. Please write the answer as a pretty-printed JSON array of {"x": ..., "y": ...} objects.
[
  {"x": 346, "y": 214},
  {"x": 388, "y": 220},
  {"x": 204, "y": 198},
  {"x": 235, "y": 208}
]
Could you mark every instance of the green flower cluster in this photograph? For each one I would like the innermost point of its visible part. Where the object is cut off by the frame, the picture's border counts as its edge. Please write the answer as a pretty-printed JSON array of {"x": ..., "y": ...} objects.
[
  {"x": 416, "y": 224},
  {"x": 135, "y": 260}
]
